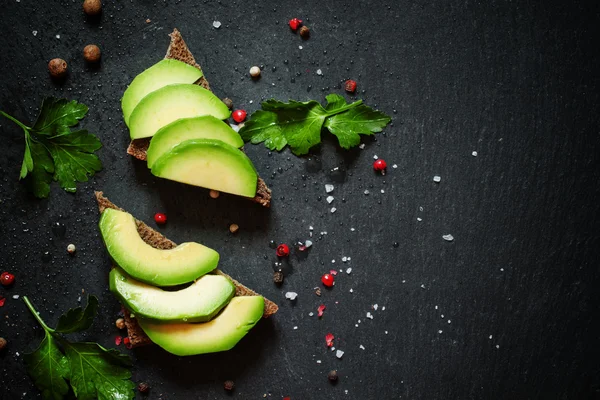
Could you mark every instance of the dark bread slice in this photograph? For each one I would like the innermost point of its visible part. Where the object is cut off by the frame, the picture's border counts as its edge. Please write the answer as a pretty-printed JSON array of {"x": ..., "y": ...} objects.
[
  {"x": 178, "y": 50},
  {"x": 136, "y": 335}
]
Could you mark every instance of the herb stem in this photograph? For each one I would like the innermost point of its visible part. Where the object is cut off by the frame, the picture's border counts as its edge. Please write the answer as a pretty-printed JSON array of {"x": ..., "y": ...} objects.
[
  {"x": 35, "y": 314},
  {"x": 16, "y": 121},
  {"x": 345, "y": 108}
]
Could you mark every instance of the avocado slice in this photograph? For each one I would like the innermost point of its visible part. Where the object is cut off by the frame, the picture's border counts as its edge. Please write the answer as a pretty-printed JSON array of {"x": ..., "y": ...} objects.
[
  {"x": 168, "y": 104},
  {"x": 161, "y": 74},
  {"x": 199, "y": 302},
  {"x": 219, "y": 334},
  {"x": 212, "y": 164},
  {"x": 205, "y": 127},
  {"x": 182, "y": 264}
]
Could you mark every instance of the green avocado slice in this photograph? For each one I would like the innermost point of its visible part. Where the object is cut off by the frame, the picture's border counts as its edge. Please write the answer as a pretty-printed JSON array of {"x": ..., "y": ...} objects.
[
  {"x": 205, "y": 127},
  {"x": 170, "y": 103},
  {"x": 199, "y": 302},
  {"x": 161, "y": 74},
  {"x": 220, "y": 334},
  {"x": 212, "y": 164},
  {"x": 176, "y": 266}
]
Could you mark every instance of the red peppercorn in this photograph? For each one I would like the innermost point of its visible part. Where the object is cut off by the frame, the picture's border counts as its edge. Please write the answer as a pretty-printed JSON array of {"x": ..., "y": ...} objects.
[
  {"x": 7, "y": 279},
  {"x": 295, "y": 23},
  {"x": 379, "y": 165},
  {"x": 239, "y": 116},
  {"x": 350, "y": 86},
  {"x": 327, "y": 280},
  {"x": 127, "y": 342},
  {"x": 160, "y": 218},
  {"x": 282, "y": 250}
]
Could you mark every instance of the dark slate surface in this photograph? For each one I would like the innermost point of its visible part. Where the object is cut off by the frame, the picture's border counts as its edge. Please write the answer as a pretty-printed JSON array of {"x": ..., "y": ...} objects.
[{"x": 508, "y": 310}]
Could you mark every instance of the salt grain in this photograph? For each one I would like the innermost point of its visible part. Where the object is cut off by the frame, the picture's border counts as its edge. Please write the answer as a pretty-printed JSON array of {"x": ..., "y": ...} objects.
[
  {"x": 352, "y": 229},
  {"x": 369, "y": 315},
  {"x": 308, "y": 243},
  {"x": 291, "y": 295},
  {"x": 375, "y": 157},
  {"x": 448, "y": 237},
  {"x": 318, "y": 361},
  {"x": 419, "y": 219},
  {"x": 344, "y": 259},
  {"x": 329, "y": 199},
  {"x": 295, "y": 328},
  {"x": 361, "y": 347},
  {"x": 361, "y": 146},
  {"x": 348, "y": 271},
  {"x": 329, "y": 188},
  {"x": 395, "y": 166},
  {"x": 375, "y": 307},
  {"x": 319, "y": 72},
  {"x": 34, "y": 33},
  {"x": 333, "y": 209},
  {"x": 474, "y": 154},
  {"x": 437, "y": 178},
  {"x": 216, "y": 24},
  {"x": 339, "y": 354},
  {"x": 16, "y": 296},
  {"x": 310, "y": 314},
  {"x": 440, "y": 331},
  {"x": 300, "y": 47},
  {"x": 366, "y": 192},
  {"x": 382, "y": 191},
  {"x": 351, "y": 291}
]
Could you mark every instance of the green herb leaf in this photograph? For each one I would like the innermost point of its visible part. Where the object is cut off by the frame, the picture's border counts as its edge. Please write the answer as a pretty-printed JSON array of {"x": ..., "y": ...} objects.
[
  {"x": 78, "y": 319},
  {"x": 52, "y": 148},
  {"x": 49, "y": 369},
  {"x": 98, "y": 373},
  {"x": 299, "y": 124},
  {"x": 57, "y": 115},
  {"x": 361, "y": 120}
]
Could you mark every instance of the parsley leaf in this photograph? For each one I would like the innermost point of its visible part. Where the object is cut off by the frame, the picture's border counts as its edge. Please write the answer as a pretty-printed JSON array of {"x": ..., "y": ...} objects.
[
  {"x": 78, "y": 319},
  {"x": 54, "y": 152},
  {"x": 90, "y": 370},
  {"x": 299, "y": 124},
  {"x": 49, "y": 369}
]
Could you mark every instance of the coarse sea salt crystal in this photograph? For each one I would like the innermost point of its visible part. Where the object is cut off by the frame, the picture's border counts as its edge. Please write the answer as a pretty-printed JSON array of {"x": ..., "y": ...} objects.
[
  {"x": 329, "y": 188},
  {"x": 474, "y": 154},
  {"x": 16, "y": 296},
  {"x": 339, "y": 354},
  {"x": 329, "y": 199},
  {"x": 369, "y": 315},
  {"x": 361, "y": 146},
  {"x": 375, "y": 307},
  {"x": 382, "y": 191},
  {"x": 361, "y": 347},
  {"x": 395, "y": 166},
  {"x": 419, "y": 219},
  {"x": 310, "y": 314},
  {"x": 318, "y": 361},
  {"x": 300, "y": 47},
  {"x": 344, "y": 259},
  {"x": 216, "y": 24},
  {"x": 448, "y": 237},
  {"x": 348, "y": 271},
  {"x": 352, "y": 229},
  {"x": 437, "y": 178},
  {"x": 351, "y": 290},
  {"x": 375, "y": 157},
  {"x": 34, "y": 33},
  {"x": 308, "y": 243},
  {"x": 383, "y": 308},
  {"x": 366, "y": 192},
  {"x": 295, "y": 328},
  {"x": 319, "y": 72},
  {"x": 291, "y": 295},
  {"x": 333, "y": 209}
]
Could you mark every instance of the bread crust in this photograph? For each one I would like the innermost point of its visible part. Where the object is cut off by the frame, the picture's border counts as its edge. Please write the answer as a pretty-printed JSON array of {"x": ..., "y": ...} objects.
[
  {"x": 136, "y": 335},
  {"x": 178, "y": 50}
]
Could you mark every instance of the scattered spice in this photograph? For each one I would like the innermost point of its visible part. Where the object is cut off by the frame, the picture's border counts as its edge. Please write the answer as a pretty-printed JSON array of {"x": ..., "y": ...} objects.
[
  {"x": 91, "y": 53},
  {"x": 92, "y": 7},
  {"x": 333, "y": 272},
  {"x": 233, "y": 228},
  {"x": 2, "y": 301},
  {"x": 448, "y": 237},
  {"x": 239, "y": 116},
  {"x": 320, "y": 310},
  {"x": 282, "y": 250},
  {"x": 327, "y": 280},
  {"x": 57, "y": 68},
  {"x": 143, "y": 387},
  {"x": 3, "y": 343},
  {"x": 127, "y": 342},
  {"x": 255, "y": 72},
  {"x": 305, "y": 32},
  {"x": 278, "y": 277},
  {"x": 148, "y": 20},
  {"x": 329, "y": 339},
  {"x": 118, "y": 340},
  {"x": 214, "y": 194},
  {"x": 7, "y": 279},
  {"x": 318, "y": 291},
  {"x": 71, "y": 249},
  {"x": 332, "y": 375},
  {"x": 120, "y": 323},
  {"x": 350, "y": 86},
  {"x": 380, "y": 165},
  {"x": 160, "y": 218},
  {"x": 295, "y": 24},
  {"x": 229, "y": 385},
  {"x": 228, "y": 102}
]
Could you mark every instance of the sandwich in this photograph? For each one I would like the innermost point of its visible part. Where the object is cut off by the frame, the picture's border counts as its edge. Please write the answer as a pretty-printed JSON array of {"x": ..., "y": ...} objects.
[
  {"x": 178, "y": 51},
  {"x": 147, "y": 318}
]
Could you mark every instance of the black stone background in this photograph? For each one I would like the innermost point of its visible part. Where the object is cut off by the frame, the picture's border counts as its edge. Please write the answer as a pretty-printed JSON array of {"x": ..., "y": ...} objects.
[{"x": 515, "y": 81}]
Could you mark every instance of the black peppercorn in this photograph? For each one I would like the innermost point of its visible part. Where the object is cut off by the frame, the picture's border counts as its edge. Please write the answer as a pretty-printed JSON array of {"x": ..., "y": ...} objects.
[
  {"x": 304, "y": 32},
  {"x": 332, "y": 375},
  {"x": 228, "y": 102},
  {"x": 278, "y": 277}
]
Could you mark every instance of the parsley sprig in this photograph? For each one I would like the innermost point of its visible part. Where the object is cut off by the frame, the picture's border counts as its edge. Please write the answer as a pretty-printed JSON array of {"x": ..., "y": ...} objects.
[
  {"x": 55, "y": 152},
  {"x": 58, "y": 366},
  {"x": 299, "y": 124}
]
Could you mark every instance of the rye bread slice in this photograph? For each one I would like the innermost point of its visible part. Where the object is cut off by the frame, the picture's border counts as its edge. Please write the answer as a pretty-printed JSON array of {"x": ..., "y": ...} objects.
[
  {"x": 178, "y": 50},
  {"x": 136, "y": 335}
]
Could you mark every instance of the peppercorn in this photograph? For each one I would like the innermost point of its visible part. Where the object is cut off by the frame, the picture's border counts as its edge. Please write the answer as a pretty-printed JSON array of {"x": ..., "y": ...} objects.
[
  {"x": 92, "y": 7},
  {"x": 7, "y": 279},
  {"x": 255, "y": 72},
  {"x": 120, "y": 323},
  {"x": 233, "y": 228},
  {"x": 350, "y": 86},
  {"x": 332, "y": 375},
  {"x": 91, "y": 53},
  {"x": 229, "y": 385},
  {"x": 3, "y": 343},
  {"x": 71, "y": 249},
  {"x": 228, "y": 102},
  {"x": 57, "y": 68},
  {"x": 214, "y": 194},
  {"x": 305, "y": 32},
  {"x": 143, "y": 387},
  {"x": 278, "y": 277}
]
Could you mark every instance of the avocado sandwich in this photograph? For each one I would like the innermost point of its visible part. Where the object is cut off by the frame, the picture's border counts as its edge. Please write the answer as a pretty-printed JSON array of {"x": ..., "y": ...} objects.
[
  {"x": 176, "y": 125},
  {"x": 211, "y": 314}
]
